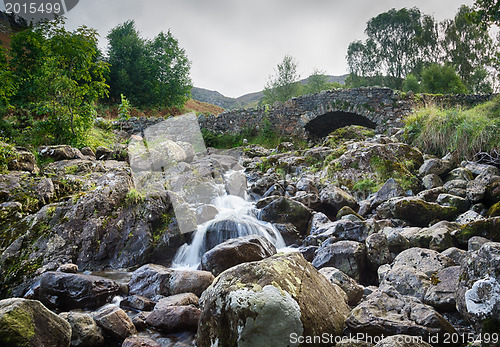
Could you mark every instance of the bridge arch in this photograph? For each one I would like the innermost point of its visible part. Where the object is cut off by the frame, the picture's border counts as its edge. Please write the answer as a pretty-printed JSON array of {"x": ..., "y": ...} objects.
[{"x": 324, "y": 124}]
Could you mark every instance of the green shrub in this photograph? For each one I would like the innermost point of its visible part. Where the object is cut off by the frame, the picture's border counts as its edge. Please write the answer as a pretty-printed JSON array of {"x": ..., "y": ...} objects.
[{"x": 7, "y": 154}]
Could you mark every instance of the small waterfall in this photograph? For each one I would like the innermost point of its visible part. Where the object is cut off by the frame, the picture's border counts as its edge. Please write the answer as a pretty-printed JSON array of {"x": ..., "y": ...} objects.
[{"x": 236, "y": 217}]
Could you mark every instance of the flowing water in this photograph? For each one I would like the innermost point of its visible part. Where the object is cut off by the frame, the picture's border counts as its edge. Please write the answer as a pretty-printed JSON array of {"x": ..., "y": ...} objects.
[{"x": 236, "y": 217}]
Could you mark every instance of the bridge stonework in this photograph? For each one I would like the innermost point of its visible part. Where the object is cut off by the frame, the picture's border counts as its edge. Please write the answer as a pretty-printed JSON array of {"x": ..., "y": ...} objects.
[{"x": 316, "y": 115}]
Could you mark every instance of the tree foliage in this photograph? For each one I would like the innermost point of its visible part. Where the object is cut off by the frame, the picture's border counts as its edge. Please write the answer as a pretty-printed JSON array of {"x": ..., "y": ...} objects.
[
  {"x": 59, "y": 78},
  {"x": 487, "y": 12},
  {"x": 283, "y": 85},
  {"x": 317, "y": 82},
  {"x": 398, "y": 41},
  {"x": 149, "y": 72},
  {"x": 441, "y": 79},
  {"x": 404, "y": 42},
  {"x": 467, "y": 45}
]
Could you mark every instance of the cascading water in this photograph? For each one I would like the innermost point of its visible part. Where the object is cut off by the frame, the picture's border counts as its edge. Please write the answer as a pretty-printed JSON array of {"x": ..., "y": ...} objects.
[{"x": 236, "y": 217}]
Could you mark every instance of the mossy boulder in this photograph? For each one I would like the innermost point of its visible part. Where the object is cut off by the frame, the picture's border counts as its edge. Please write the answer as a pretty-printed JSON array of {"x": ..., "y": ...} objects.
[
  {"x": 29, "y": 323},
  {"x": 376, "y": 162},
  {"x": 415, "y": 211},
  {"x": 262, "y": 303},
  {"x": 494, "y": 211},
  {"x": 488, "y": 228},
  {"x": 285, "y": 210}
]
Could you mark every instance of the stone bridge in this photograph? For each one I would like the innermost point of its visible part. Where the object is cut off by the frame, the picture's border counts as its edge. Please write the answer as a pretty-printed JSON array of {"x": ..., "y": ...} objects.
[{"x": 316, "y": 115}]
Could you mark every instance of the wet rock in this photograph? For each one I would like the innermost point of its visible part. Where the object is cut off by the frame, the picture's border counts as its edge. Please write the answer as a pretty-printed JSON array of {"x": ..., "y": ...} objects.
[
  {"x": 434, "y": 166},
  {"x": 425, "y": 260},
  {"x": 140, "y": 341},
  {"x": 29, "y": 323},
  {"x": 333, "y": 199},
  {"x": 431, "y": 195},
  {"x": 308, "y": 252},
  {"x": 274, "y": 190},
  {"x": 150, "y": 280},
  {"x": 476, "y": 242},
  {"x": 174, "y": 318},
  {"x": 347, "y": 256},
  {"x": 406, "y": 280},
  {"x": 488, "y": 228},
  {"x": 494, "y": 211},
  {"x": 460, "y": 173},
  {"x": 261, "y": 303},
  {"x": 115, "y": 322},
  {"x": 68, "y": 291},
  {"x": 184, "y": 299},
  {"x": 24, "y": 160},
  {"x": 432, "y": 181},
  {"x": 468, "y": 217},
  {"x": 353, "y": 290},
  {"x": 236, "y": 184},
  {"x": 290, "y": 234},
  {"x": 68, "y": 268},
  {"x": 377, "y": 250},
  {"x": 475, "y": 191},
  {"x": 138, "y": 302},
  {"x": 139, "y": 320},
  {"x": 85, "y": 332},
  {"x": 285, "y": 210},
  {"x": 395, "y": 241},
  {"x": 388, "y": 312},
  {"x": 478, "y": 293},
  {"x": 455, "y": 254},
  {"x": 186, "y": 281},
  {"x": 461, "y": 204},
  {"x": 236, "y": 251},
  {"x": 415, "y": 211},
  {"x": 441, "y": 292},
  {"x": 438, "y": 237},
  {"x": 57, "y": 153},
  {"x": 390, "y": 189}
]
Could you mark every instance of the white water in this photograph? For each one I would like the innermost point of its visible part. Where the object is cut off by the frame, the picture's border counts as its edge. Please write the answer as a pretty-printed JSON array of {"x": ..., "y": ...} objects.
[{"x": 233, "y": 210}]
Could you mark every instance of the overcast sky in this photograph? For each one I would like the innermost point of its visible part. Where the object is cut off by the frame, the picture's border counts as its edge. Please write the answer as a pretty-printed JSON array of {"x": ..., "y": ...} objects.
[{"x": 234, "y": 45}]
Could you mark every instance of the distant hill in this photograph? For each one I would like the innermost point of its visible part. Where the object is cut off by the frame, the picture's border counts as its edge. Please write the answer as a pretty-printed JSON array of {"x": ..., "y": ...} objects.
[{"x": 244, "y": 101}]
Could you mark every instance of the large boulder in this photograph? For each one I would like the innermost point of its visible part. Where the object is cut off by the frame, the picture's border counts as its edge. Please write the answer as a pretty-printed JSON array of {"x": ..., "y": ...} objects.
[
  {"x": 23, "y": 160},
  {"x": 265, "y": 302},
  {"x": 172, "y": 319},
  {"x": 441, "y": 292},
  {"x": 437, "y": 237},
  {"x": 406, "y": 280},
  {"x": 190, "y": 281},
  {"x": 236, "y": 251},
  {"x": 68, "y": 291},
  {"x": 415, "y": 211},
  {"x": 387, "y": 312},
  {"x": 285, "y": 210},
  {"x": 150, "y": 280},
  {"x": 425, "y": 260},
  {"x": 62, "y": 152},
  {"x": 85, "y": 332},
  {"x": 478, "y": 292},
  {"x": 347, "y": 256},
  {"x": 353, "y": 290},
  {"x": 115, "y": 322},
  {"x": 488, "y": 228},
  {"x": 29, "y": 323},
  {"x": 333, "y": 199}
]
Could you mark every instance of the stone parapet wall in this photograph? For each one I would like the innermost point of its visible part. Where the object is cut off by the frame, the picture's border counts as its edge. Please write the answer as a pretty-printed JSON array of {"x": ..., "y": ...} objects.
[{"x": 381, "y": 106}]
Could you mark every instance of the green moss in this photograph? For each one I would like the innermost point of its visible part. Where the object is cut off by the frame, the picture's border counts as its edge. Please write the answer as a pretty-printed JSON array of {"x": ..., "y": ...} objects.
[
  {"x": 494, "y": 210},
  {"x": 71, "y": 170},
  {"x": 17, "y": 328},
  {"x": 366, "y": 185}
]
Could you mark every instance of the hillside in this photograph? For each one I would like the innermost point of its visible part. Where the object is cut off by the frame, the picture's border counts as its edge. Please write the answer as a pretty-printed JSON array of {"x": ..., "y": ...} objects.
[{"x": 244, "y": 101}]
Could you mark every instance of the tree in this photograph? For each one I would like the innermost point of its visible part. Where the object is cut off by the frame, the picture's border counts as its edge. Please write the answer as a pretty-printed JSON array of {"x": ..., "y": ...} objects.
[
  {"x": 442, "y": 79},
  {"x": 400, "y": 39},
  {"x": 411, "y": 83},
  {"x": 60, "y": 79},
  {"x": 7, "y": 87},
  {"x": 283, "y": 85},
  {"x": 171, "y": 85},
  {"x": 468, "y": 47},
  {"x": 317, "y": 82},
  {"x": 149, "y": 72},
  {"x": 487, "y": 12}
]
